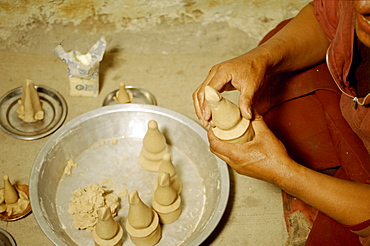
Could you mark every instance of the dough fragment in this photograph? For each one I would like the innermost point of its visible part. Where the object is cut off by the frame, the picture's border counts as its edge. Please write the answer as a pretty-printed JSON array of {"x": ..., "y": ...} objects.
[
  {"x": 69, "y": 166},
  {"x": 86, "y": 202}
]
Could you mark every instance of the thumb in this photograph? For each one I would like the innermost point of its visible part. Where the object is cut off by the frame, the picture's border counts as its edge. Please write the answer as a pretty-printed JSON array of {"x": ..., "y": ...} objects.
[{"x": 259, "y": 125}]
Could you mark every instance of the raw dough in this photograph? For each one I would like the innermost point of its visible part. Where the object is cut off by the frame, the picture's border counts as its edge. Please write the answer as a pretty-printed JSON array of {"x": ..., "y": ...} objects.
[
  {"x": 68, "y": 168},
  {"x": 85, "y": 203}
]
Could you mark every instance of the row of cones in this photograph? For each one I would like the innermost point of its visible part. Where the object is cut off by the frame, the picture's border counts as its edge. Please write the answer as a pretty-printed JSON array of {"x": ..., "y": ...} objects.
[
  {"x": 143, "y": 223},
  {"x": 30, "y": 108}
]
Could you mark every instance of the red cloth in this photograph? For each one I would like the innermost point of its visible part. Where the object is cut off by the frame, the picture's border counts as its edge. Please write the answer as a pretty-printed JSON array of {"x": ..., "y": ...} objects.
[
  {"x": 302, "y": 109},
  {"x": 337, "y": 19}
]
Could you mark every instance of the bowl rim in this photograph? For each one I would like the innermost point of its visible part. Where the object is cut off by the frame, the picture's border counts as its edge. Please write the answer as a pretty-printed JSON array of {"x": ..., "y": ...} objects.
[{"x": 201, "y": 131}]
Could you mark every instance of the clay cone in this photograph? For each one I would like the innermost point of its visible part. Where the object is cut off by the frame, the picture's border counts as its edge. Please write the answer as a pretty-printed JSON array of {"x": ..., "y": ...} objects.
[
  {"x": 122, "y": 96},
  {"x": 168, "y": 167},
  {"x": 29, "y": 106},
  {"x": 228, "y": 123},
  {"x": 166, "y": 201},
  {"x": 10, "y": 193},
  {"x": 154, "y": 147},
  {"x": 142, "y": 222},
  {"x": 107, "y": 231}
]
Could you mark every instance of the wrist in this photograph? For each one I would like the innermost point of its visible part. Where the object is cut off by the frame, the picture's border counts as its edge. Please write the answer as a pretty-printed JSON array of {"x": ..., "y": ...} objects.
[{"x": 290, "y": 176}]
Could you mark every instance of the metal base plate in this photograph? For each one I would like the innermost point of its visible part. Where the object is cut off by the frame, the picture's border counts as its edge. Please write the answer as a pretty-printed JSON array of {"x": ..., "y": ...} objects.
[
  {"x": 54, "y": 106},
  {"x": 139, "y": 96},
  {"x": 5, "y": 217},
  {"x": 6, "y": 239}
]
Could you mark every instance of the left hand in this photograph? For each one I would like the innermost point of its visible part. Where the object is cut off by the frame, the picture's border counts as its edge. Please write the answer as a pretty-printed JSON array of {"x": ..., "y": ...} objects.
[{"x": 265, "y": 157}]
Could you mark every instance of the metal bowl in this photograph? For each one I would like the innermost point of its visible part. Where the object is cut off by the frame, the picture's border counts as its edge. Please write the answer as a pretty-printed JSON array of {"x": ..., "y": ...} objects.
[{"x": 87, "y": 140}]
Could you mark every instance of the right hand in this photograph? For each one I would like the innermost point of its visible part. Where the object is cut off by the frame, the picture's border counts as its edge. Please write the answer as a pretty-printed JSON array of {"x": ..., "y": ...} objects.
[
  {"x": 264, "y": 157},
  {"x": 244, "y": 73}
]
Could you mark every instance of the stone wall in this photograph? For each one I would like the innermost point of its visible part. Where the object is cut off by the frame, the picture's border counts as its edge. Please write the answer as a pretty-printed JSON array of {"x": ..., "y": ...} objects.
[{"x": 142, "y": 26}]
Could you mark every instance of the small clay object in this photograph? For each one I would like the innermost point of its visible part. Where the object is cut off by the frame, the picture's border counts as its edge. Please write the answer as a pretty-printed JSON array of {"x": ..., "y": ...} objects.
[
  {"x": 142, "y": 222},
  {"x": 166, "y": 201},
  {"x": 107, "y": 231},
  {"x": 14, "y": 201},
  {"x": 122, "y": 96},
  {"x": 10, "y": 193},
  {"x": 29, "y": 106},
  {"x": 154, "y": 147},
  {"x": 228, "y": 123},
  {"x": 168, "y": 167}
]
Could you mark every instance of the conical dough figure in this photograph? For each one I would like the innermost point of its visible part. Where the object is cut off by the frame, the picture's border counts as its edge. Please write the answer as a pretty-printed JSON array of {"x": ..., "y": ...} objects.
[
  {"x": 122, "y": 96},
  {"x": 142, "y": 222},
  {"x": 154, "y": 147},
  {"x": 10, "y": 193},
  {"x": 166, "y": 201},
  {"x": 107, "y": 231},
  {"x": 229, "y": 125},
  {"x": 168, "y": 167},
  {"x": 14, "y": 201},
  {"x": 30, "y": 106}
]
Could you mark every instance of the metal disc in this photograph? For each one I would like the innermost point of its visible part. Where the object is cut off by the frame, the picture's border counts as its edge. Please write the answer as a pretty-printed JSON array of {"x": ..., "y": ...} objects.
[
  {"x": 139, "y": 96},
  {"x": 54, "y": 106},
  {"x": 6, "y": 239}
]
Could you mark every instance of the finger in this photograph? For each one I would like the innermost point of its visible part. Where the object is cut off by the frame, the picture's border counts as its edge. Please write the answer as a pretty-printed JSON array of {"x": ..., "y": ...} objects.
[
  {"x": 215, "y": 145},
  {"x": 220, "y": 80},
  {"x": 218, "y": 146},
  {"x": 203, "y": 104},
  {"x": 259, "y": 126},
  {"x": 197, "y": 98}
]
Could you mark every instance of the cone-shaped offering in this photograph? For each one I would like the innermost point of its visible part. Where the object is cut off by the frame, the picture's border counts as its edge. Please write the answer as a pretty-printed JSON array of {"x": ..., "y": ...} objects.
[
  {"x": 29, "y": 106},
  {"x": 229, "y": 125},
  {"x": 107, "y": 231},
  {"x": 10, "y": 193},
  {"x": 168, "y": 167},
  {"x": 154, "y": 147},
  {"x": 14, "y": 201},
  {"x": 142, "y": 222},
  {"x": 166, "y": 201},
  {"x": 122, "y": 96}
]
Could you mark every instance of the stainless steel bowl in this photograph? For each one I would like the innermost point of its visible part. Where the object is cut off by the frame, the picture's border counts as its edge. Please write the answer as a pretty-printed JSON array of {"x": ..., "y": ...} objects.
[{"x": 50, "y": 188}]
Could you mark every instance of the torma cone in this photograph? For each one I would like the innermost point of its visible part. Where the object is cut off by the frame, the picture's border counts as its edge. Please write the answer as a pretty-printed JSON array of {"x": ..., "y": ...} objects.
[
  {"x": 122, "y": 96},
  {"x": 139, "y": 214},
  {"x": 107, "y": 231},
  {"x": 10, "y": 193},
  {"x": 166, "y": 201},
  {"x": 229, "y": 125},
  {"x": 154, "y": 147},
  {"x": 142, "y": 222},
  {"x": 29, "y": 106},
  {"x": 168, "y": 167}
]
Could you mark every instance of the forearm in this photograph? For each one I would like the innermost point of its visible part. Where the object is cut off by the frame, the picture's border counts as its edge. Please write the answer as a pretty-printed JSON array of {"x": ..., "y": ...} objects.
[
  {"x": 300, "y": 44},
  {"x": 345, "y": 201}
]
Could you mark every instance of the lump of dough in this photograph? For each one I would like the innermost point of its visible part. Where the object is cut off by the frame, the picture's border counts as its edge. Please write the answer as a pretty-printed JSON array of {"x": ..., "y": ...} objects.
[
  {"x": 68, "y": 168},
  {"x": 85, "y": 203}
]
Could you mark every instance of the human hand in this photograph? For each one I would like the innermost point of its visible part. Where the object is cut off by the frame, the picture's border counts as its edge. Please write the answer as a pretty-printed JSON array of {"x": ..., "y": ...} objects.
[
  {"x": 244, "y": 73},
  {"x": 264, "y": 157}
]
